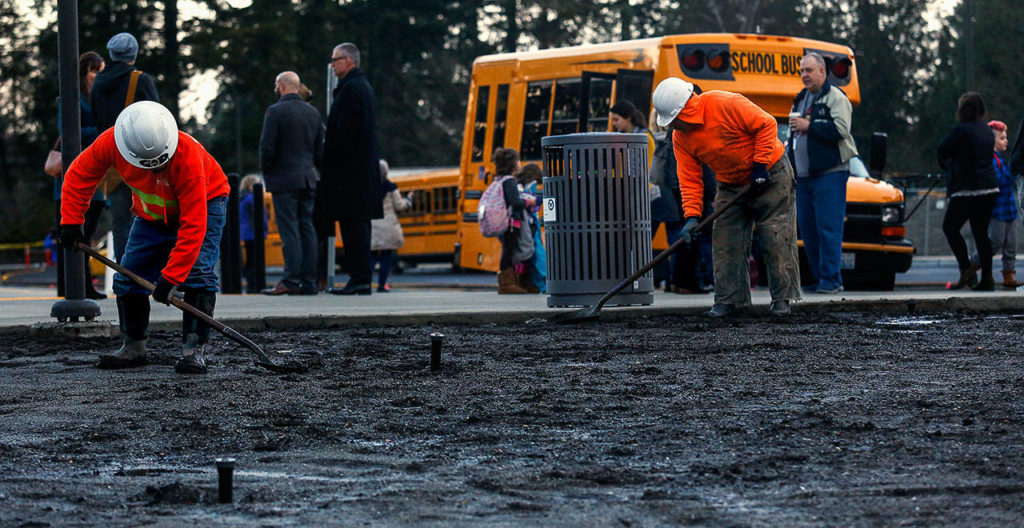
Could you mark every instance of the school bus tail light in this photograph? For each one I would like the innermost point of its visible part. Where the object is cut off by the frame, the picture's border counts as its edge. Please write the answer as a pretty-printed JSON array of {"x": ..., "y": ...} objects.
[
  {"x": 693, "y": 60},
  {"x": 718, "y": 60},
  {"x": 707, "y": 60},
  {"x": 840, "y": 67}
]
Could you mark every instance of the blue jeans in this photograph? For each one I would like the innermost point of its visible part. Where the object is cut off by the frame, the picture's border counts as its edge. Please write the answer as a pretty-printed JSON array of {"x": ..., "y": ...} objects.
[
  {"x": 820, "y": 211},
  {"x": 150, "y": 244}
]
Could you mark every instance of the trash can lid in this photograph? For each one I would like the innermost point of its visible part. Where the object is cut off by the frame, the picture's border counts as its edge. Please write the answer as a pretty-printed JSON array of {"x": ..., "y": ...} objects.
[{"x": 589, "y": 138}]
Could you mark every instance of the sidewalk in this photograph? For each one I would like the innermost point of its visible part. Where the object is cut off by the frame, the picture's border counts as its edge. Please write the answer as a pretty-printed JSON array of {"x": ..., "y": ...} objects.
[{"x": 23, "y": 308}]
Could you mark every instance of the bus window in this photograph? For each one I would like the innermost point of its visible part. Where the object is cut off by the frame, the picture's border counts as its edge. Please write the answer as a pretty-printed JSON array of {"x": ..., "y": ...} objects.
[
  {"x": 420, "y": 203},
  {"x": 599, "y": 104},
  {"x": 483, "y": 93},
  {"x": 444, "y": 200},
  {"x": 635, "y": 86},
  {"x": 535, "y": 118},
  {"x": 500, "y": 116},
  {"x": 565, "y": 116}
]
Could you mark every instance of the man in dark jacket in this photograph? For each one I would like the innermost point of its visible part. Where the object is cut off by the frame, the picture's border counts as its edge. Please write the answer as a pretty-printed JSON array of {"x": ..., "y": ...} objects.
[
  {"x": 291, "y": 155},
  {"x": 350, "y": 187},
  {"x": 109, "y": 94}
]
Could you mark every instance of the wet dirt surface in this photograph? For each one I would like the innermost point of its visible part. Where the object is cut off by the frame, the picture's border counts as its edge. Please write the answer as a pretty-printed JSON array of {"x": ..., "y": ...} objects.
[{"x": 845, "y": 419}]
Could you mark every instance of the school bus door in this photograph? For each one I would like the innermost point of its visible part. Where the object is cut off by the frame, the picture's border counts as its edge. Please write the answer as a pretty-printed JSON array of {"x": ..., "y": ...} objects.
[
  {"x": 596, "y": 91},
  {"x": 635, "y": 86}
]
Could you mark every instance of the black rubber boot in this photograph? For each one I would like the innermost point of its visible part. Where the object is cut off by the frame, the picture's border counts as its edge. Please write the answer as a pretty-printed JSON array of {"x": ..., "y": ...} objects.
[
  {"x": 987, "y": 283},
  {"x": 195, "y": 334},
  {"x": 133, "y": 314},
  {"x": 192, "y": 360}
]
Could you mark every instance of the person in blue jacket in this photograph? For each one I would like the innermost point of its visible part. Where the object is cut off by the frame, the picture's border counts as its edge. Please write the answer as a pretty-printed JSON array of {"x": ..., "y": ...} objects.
[
  {"x": 1002, "y": 229},
  {"x": 248, "y": 234}
]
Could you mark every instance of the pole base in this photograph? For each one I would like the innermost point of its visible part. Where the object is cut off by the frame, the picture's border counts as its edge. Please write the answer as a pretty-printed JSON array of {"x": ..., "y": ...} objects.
[{"x": 72, "y": 310}]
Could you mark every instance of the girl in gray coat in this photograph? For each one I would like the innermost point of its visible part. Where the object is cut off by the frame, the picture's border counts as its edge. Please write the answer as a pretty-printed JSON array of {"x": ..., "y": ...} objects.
[{"x": 386, "y": 233}]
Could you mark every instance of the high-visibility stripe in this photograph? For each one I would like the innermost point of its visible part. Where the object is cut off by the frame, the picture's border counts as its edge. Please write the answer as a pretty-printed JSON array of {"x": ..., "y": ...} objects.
[{"x": 152, "y": 199}]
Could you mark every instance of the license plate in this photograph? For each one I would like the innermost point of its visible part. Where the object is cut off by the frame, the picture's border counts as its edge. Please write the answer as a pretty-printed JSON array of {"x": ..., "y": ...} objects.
[{"x": 849, "y": 261}]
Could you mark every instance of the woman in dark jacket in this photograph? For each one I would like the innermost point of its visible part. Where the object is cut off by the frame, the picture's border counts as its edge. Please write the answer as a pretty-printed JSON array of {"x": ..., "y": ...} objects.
[
  {"x": 89, "y": 64},
  {"x": 966, "y": 153}
]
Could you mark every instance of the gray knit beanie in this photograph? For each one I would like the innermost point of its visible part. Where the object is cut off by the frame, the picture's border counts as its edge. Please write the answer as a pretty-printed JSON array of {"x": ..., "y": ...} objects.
[{"x": 123, "y": 47}]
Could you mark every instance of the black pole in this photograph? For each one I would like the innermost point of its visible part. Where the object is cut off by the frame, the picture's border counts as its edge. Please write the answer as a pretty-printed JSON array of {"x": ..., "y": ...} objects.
[
  {"x": 58, "y": 253},
  {"x": 74, "y": 304},
  {"x": 259, "y": 242},
  {"x": 230, "y": 255}
]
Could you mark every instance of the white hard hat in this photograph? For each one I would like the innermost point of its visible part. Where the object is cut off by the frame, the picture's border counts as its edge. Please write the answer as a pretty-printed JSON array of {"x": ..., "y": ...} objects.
[
  {"x": 670, "y": 97},
  {"x": 146, "y": 134}
]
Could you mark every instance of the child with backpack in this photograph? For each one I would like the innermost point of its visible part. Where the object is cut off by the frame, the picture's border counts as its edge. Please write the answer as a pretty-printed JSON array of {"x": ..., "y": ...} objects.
[{"x": 507, "y": 218}]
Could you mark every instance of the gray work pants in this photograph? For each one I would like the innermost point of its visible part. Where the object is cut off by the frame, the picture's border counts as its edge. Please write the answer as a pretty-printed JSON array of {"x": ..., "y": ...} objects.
[
  {"x": 774, "y": 213},
  {"x": 293, "y": 211}
]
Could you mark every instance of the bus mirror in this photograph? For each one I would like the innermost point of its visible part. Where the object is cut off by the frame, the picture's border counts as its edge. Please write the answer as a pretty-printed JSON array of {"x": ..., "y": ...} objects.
[{"x": 879, "y": 146}]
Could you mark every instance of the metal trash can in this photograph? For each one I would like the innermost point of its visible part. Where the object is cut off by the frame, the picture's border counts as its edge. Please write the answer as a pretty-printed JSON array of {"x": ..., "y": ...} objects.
[{"x": 597, "y": 218}]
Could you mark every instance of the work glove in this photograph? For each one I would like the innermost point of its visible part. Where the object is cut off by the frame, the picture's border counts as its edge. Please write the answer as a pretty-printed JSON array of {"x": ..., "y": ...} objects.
[
  {"x": 760, "y": 179},
  {"x": 688, "y": 227},
  {"x": 164, "y": 291},
  {"x": 71, "y": 235}
]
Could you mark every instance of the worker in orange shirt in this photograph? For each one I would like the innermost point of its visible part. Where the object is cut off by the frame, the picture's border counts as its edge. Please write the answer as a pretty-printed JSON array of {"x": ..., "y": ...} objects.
[
  {"x": 739, "y": 142},
  {"x": 179, "y": 198}
]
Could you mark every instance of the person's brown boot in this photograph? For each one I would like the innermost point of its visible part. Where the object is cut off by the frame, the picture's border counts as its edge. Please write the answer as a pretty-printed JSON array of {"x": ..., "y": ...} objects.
[
  {"x": 508, "y": 282},
  {"x": 526, "y": 283},
  {"x": 1010, "y": 280}
]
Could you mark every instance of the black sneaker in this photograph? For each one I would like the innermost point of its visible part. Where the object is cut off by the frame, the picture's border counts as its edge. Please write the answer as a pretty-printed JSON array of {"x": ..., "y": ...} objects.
[
  {"x": 358, "y": 289},
  {"x": 720, "y": 310},
  {"x": 194, "y": 364}
]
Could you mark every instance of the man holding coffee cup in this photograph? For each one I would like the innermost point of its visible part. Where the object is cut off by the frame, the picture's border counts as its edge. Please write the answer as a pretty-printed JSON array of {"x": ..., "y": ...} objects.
[{"x": 820, "y": 148}]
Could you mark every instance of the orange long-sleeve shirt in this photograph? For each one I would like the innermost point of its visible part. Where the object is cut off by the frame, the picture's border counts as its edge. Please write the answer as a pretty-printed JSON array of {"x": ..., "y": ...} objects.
[
  {"x": 176, "y": 194},
  {"x": 732, "y": 134}
]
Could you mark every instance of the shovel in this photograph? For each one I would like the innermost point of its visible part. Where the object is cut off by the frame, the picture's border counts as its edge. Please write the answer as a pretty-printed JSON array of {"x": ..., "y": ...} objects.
[
  {"x": 591, "y": 313},
  {"x": 262, "y": 359}
]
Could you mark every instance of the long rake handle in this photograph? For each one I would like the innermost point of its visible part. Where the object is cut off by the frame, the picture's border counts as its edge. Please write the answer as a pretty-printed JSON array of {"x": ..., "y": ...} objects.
[
  {"x": 668, "y": 252},
  {"x": 228, "y": 332}
]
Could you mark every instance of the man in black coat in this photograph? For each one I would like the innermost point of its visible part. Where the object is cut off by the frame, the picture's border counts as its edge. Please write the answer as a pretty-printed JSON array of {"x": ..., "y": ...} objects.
[
  {"x": 108, "y": 97},
  {"x": 349, "y": 190},
  {"x": 291, "y": 155}
]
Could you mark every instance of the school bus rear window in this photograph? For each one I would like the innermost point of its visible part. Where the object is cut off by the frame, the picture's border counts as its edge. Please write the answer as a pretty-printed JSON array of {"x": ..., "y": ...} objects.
[
  {"x": 565, "y": 115},
  {"x": 480, "y": 130},
  {"x": 599, "y": 104},
  {"x": 500, "y": 116},
  {"x": 535, "y": 118}
]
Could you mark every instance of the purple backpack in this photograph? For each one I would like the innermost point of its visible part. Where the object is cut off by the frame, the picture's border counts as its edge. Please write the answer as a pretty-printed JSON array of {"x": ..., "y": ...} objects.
[{"x": 492, "y": 213}]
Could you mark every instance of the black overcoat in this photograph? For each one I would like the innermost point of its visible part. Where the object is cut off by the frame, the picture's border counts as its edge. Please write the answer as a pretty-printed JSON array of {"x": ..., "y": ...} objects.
[{"x": 350, "y": 184}]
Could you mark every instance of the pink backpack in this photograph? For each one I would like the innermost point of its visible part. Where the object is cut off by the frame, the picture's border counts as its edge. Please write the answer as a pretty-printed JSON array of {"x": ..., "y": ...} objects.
[{"x": 492, "y": 214}]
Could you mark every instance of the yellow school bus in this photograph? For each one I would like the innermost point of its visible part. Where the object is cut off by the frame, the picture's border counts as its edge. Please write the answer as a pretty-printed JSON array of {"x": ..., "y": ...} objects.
[
  {"x": 430, "y": 225},
  {"x": 515, "y": 99}
]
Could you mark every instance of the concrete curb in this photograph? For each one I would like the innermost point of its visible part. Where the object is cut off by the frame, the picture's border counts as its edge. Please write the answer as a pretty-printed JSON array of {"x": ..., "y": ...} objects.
[{"x": 906, "y": 306}]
